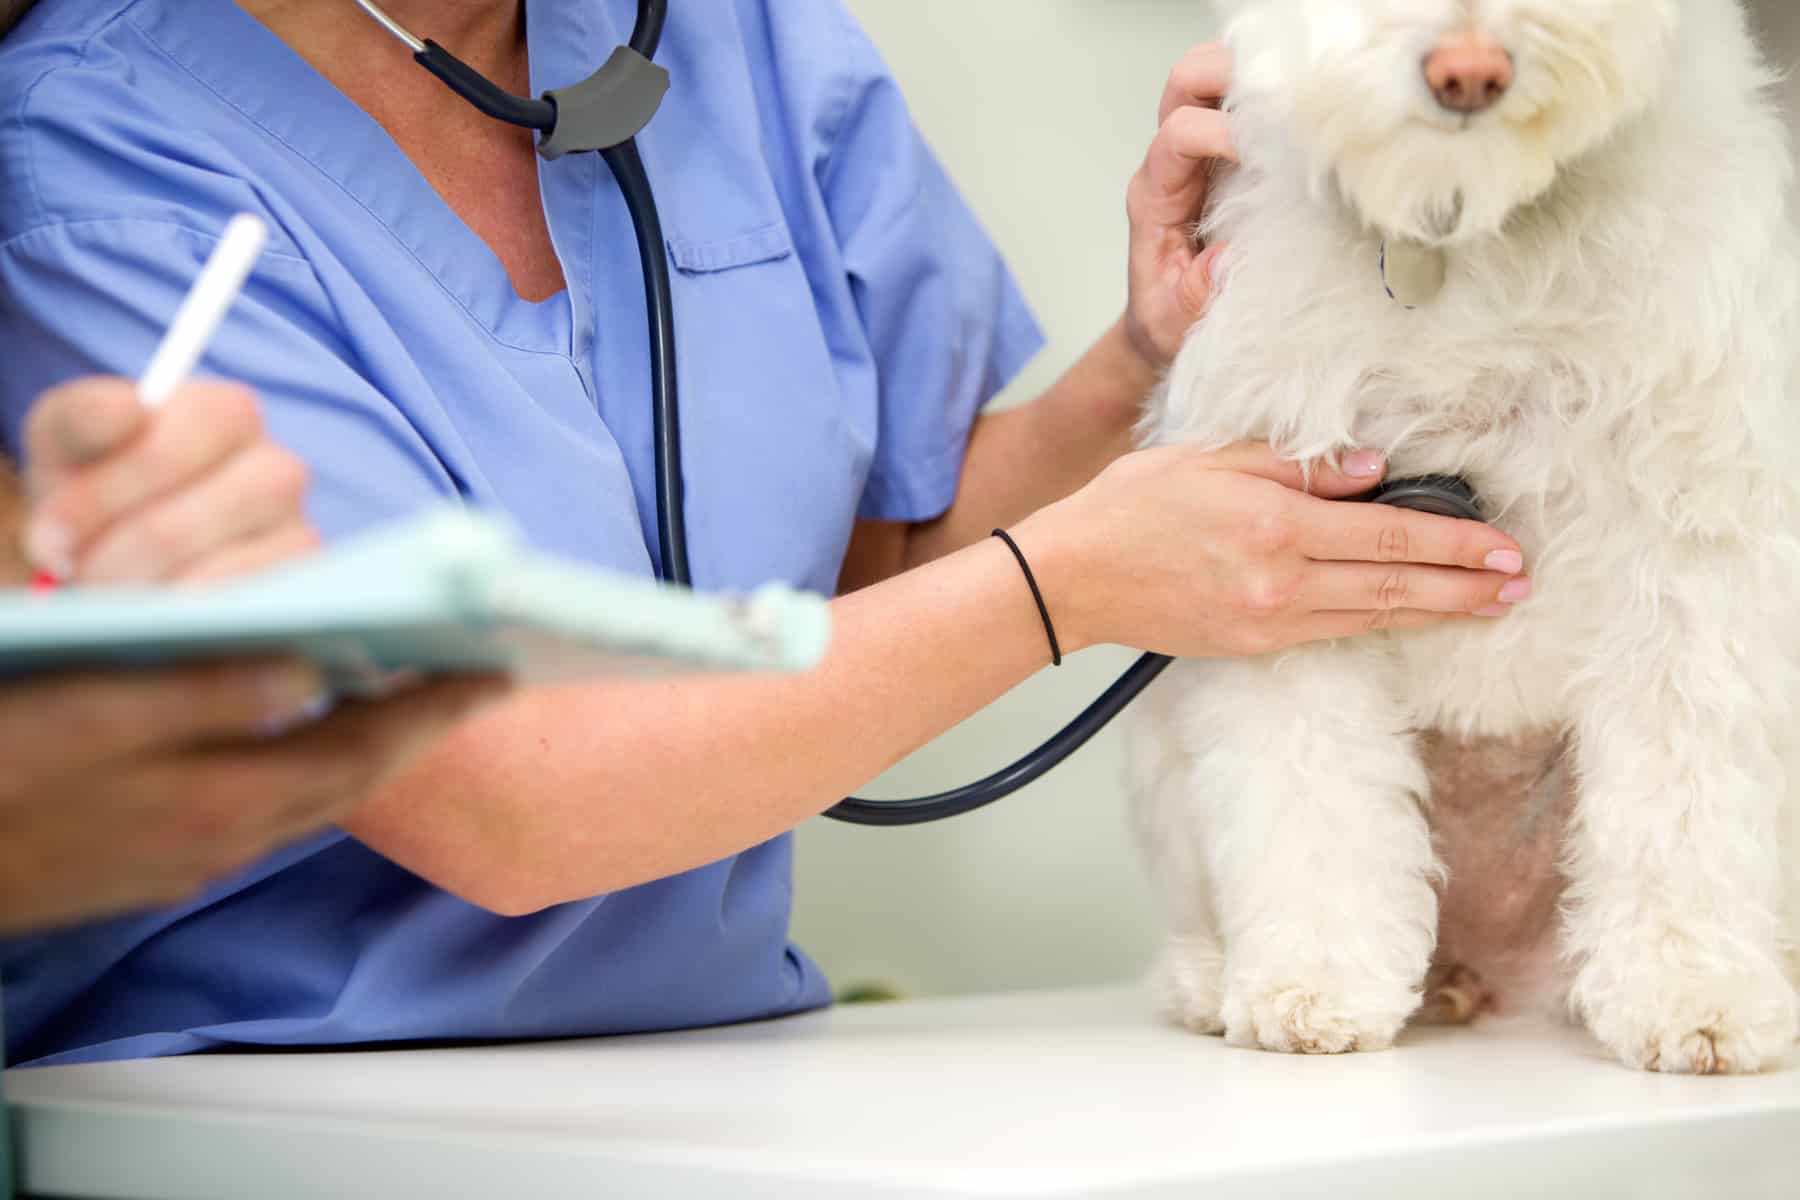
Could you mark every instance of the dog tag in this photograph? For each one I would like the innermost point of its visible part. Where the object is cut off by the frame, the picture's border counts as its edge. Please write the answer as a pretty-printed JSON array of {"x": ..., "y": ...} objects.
[{"x": 1412, "y": 274}]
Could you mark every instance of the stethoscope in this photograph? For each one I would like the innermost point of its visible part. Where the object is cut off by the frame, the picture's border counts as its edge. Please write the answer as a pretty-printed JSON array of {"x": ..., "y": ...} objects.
[{"x": 604, "y": 113}]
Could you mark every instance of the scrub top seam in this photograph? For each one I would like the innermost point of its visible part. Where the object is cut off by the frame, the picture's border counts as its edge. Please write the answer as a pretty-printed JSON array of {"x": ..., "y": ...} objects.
[
  {"x": 29, "y": 91},
  {"x": 30, "y": 156},
  {"x": 78, "y": 223},
  {"x": 838, "y": 115},
  {"x": 268, "y": 259},
  {"x": 354, "y": 199}
]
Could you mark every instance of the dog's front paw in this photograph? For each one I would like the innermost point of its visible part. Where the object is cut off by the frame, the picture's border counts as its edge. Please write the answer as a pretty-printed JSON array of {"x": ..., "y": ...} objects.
[
  {"x": 1185, "y": 982},
  {"x": 1663, "y": 1016},
  {"x": 1316, "y": 1012}
]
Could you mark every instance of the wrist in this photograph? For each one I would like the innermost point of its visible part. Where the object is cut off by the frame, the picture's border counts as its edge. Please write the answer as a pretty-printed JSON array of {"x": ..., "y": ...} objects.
[
  {"x": 1133, "y": 362},
  {"x": 1090, "y": 416},
  {"x": 1138, "y": 352},
  {"x": 1062, "y": 563}
]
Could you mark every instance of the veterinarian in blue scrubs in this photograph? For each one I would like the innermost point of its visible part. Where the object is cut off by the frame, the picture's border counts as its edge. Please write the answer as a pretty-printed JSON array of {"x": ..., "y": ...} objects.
[
  {"x": 393, "y": 354},
  {"x": 843, "y": 318}
]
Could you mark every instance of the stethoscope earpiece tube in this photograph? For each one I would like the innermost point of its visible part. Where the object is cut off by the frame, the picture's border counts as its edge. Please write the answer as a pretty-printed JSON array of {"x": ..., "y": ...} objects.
[
  {"x": 483, "y": 93},
  {"x": 646, "y": 33}
]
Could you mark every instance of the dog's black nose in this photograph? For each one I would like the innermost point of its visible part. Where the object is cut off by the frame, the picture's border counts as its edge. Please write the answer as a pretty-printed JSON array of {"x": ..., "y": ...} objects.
[{"x": 1469, "y": 72}]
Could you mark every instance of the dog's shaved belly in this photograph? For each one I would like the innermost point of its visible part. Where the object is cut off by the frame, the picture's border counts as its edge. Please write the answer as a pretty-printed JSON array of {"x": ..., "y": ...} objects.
[{"x": 1500, "y": 810}]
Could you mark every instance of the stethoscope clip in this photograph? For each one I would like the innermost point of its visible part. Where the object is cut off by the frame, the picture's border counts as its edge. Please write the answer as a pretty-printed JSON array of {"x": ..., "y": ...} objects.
[
  {"x": 608, "y": 108},
  {"x": 605, "y": 110}
]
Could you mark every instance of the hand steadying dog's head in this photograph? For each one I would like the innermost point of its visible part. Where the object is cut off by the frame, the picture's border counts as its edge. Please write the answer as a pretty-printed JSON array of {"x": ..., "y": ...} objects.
[{"x": 1436, "y": 119}]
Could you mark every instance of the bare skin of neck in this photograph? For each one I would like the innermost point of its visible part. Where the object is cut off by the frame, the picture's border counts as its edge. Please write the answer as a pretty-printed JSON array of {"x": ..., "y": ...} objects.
[{"x": 484, "y": 170}]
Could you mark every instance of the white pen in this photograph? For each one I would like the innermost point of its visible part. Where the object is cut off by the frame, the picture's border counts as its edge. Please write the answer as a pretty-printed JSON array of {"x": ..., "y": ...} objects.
[{"x": 204, "y": 308}]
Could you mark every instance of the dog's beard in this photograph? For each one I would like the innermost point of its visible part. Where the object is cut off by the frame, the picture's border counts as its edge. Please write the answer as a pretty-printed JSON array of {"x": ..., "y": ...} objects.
[
  {"x": 1410, "y": 170},
  {"x": 1441, "y": 188}
]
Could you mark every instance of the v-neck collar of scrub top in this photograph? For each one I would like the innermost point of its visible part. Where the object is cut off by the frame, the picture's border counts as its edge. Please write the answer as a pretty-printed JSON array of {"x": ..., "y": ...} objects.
[{"x": 246, "y": 65}]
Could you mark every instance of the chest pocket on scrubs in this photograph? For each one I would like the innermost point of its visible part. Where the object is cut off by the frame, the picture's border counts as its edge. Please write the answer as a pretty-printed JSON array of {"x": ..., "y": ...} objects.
[
  {"x": 776, "y": 447},
  {"x": 769, "y": 244},
  {"x": 777, "y": 455}
]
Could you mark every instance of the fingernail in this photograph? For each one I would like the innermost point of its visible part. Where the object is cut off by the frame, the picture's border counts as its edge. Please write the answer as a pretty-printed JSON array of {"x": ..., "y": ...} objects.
[
  {"x": 49, "y": 547},
  {"x": 1365, "y": 464},
  {"x": 291, "y": 694},
  {"x": 1495, "y": 610},
  {"x": 1507, "y": 562},
  {"x": 1516, "y": 591}
]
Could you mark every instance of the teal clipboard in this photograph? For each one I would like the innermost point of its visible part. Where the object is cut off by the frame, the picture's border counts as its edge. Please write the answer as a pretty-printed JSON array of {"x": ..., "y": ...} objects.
[{"x": 447, "y": 591}]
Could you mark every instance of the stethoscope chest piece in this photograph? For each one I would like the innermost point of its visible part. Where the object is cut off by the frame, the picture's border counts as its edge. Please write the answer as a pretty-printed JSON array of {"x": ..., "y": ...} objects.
[{"x": 1440, "y": 495}]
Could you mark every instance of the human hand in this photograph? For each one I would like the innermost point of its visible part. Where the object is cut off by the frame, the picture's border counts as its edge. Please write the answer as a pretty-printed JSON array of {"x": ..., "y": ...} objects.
[
  {"x": 129, "y": 788},
  {"x": 126, "y": 787},
  {"x": 190, "y": 492},
  {"x": 1223, "y": 554},
  {"x": 1170, "y": 275}
]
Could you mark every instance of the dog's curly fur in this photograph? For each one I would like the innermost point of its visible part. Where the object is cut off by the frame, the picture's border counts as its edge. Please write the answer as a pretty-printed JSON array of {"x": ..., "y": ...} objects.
[{"x": 1611, "y": 364}]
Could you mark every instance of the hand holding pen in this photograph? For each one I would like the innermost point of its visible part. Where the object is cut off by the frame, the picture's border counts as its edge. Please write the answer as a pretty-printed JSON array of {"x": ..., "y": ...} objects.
[
  {"x": 126, "y": 787},
  {"x": 164, "y": 480}
]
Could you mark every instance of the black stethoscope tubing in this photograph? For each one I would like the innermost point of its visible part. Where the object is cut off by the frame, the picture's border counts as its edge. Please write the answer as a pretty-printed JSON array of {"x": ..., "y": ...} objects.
[
  {"x": 627, "y": 166},
  {"x": 1445, "y": 495}
]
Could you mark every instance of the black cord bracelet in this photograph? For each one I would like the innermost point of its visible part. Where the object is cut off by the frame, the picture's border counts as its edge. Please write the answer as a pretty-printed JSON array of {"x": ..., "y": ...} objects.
[{"x": 1031, "y": 580}]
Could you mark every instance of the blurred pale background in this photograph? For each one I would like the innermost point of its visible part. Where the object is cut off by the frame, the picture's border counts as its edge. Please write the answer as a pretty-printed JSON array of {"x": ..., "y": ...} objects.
[{"x": 1041, "y": 110}]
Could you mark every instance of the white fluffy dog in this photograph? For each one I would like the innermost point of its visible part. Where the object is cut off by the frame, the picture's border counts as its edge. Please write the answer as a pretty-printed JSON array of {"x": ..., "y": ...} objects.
[{"x": 1583, "y": 206}]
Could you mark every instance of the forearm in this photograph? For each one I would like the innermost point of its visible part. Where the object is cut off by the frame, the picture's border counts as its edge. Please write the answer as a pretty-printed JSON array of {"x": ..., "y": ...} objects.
[
  {"x": 563, "y": 793},
  {"x": 1028, "y": 457}
]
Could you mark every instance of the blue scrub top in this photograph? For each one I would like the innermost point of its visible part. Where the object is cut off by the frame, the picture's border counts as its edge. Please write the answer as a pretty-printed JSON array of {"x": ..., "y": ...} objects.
[{"x": 842, "y": 318}]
